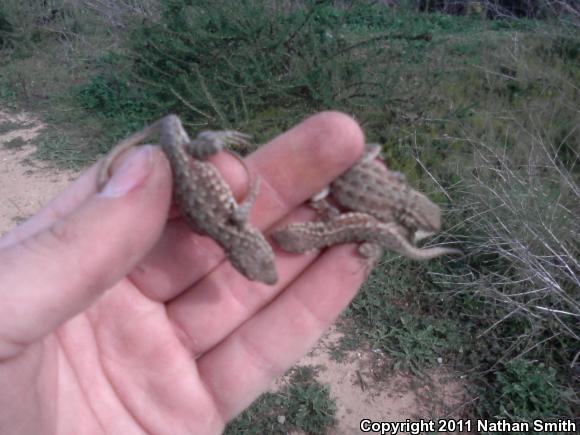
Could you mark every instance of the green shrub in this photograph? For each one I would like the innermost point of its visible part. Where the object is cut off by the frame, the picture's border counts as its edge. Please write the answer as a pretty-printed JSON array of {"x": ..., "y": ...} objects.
[
  {"x": 224, "y": 66},
  {"x": 262, "y": 67},
  {"x": 6, "y": 31},
  {"x": 528, "y": 391}
]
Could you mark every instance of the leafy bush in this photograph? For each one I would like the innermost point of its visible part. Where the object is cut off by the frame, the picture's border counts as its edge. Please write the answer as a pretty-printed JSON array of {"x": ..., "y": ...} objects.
[
  {"x": 260, "y": 66},
  {"x": 224, "y": 66},
  {"x": 528, "y": 391},
  {"x": 6, "y": 31}
]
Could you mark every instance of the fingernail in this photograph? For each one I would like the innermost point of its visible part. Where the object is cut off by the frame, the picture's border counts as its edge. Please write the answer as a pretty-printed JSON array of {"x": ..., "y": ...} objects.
[{"x": 132, "y": 172}]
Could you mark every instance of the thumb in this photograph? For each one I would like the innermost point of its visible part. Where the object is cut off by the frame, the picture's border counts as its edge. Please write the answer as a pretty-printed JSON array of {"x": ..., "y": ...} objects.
[{"x": 51, "y": 276}]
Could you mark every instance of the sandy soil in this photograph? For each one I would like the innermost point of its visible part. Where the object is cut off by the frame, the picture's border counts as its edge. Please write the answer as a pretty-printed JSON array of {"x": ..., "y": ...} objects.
[
  {"x": 363, "y": 391},
  {"x": 26, "y": 184}
]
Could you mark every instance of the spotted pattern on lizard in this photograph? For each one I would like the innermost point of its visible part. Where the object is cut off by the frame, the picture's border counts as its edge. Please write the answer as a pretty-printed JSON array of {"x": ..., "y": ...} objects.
[
  {"x": 382, "y": 211},
  {"x": 204, "y": 198}
]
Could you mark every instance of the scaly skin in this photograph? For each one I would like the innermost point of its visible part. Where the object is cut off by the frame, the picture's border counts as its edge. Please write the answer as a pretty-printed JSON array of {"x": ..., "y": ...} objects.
[
  {"x": 369, "y": 187},
  {"x": 205, "y": 199},
  {"x": 353, "y": 227},
  {"x": 383, "y": 211}
]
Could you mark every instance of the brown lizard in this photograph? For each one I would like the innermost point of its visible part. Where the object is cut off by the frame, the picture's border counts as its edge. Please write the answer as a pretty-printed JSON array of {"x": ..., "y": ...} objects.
[
  {"x": 205, "y": 199},
  {"x": 383, "y": 211}
]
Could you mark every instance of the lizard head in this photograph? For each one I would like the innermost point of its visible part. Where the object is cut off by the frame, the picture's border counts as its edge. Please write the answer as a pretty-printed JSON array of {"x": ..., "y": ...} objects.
[
  {"x": 253, "y": 257},
  {"x": 421, "y": 214}
]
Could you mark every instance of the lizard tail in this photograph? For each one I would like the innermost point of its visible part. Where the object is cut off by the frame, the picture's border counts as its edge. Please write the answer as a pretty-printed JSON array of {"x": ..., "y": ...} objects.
[{"x": 404, "y": 247}]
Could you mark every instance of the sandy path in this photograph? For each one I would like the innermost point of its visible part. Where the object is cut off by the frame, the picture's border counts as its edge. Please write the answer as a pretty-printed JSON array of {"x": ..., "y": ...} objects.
[{"x": 25, "y": 183}]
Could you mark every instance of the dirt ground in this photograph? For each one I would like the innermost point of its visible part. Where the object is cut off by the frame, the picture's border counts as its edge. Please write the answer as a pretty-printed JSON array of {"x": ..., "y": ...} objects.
[{"x": 26, "y": 184}]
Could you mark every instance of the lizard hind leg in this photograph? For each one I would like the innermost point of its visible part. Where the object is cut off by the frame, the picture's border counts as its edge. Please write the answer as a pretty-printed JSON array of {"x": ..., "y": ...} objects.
[
  {"x": 210, "y": 142},
  {"x": 371, "y": 252},
  {"x": 241, "y": 213},
  {"x": 324, "y": 209}
]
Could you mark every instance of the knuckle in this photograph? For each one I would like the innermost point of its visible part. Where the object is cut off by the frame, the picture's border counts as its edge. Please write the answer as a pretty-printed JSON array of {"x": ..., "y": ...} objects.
[
  {"x": 47, "y": 241},
  {"x": 63, "y": 232}
]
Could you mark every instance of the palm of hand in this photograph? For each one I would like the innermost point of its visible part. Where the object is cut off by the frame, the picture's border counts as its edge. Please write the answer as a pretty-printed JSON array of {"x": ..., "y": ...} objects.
[{"x": 170, "y": 348}]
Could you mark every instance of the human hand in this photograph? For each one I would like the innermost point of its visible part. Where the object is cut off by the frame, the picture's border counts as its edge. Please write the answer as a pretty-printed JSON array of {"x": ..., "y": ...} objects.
[{"x": 115, "y": 320}]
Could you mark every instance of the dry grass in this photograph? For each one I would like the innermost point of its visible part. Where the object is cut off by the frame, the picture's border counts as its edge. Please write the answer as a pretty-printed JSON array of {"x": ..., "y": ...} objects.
[{"x": 524, "y": 216}]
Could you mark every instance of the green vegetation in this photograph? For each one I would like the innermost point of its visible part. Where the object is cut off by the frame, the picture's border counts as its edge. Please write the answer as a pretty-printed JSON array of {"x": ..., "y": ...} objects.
[
  {"x": 528, "y": 388},
  {"x": 481, "y": 115},
  {"x": 396, "y": 320},
  {"x": 15, "y": 143},
  {"x": 260, "y": 72},
  {"x": 8, "y": 126},
  {"x": 302, "y": 404}
]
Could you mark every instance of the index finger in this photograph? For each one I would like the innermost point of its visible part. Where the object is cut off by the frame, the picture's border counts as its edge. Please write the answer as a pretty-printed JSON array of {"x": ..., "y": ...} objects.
[{"x": 291, "y": 167}]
